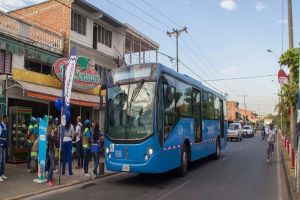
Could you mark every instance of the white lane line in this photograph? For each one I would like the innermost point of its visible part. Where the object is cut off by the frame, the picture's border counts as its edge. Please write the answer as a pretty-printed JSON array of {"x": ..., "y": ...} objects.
[
  {"x": 279, "y": 181},
  {"x": 175, "y": 189}
]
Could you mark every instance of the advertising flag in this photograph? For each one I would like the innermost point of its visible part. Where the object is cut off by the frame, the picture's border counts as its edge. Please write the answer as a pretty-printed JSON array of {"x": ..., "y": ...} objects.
[{"x": 70, "y": 75}]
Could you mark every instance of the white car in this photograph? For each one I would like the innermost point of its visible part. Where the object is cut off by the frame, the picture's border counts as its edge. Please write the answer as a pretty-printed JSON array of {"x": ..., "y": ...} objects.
[
  {"x": 247, "y": 131},
  {"x": 234, "y": 131}
]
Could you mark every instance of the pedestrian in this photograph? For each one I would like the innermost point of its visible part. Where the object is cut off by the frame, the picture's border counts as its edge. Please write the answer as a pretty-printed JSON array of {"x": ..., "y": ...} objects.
[
  {"x": 67, "y": 148},
  {"x": 3, "y": 146},
  {"x": 56, "y": 127},
  {"x": 34, "y": 155},
  {"x": 30, "y": 137},
  {"x": 51, "y": 138},
  {"x": 95, "y": 150},
  {"x": 78, "y": 133},
  {"x": 86, "y": 145}
]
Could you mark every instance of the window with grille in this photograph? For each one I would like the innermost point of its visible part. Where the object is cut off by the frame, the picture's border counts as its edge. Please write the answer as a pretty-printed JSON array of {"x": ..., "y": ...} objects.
[
  {"x": 5, "y": 62},
  {"x": 104, "y": 36},
  {"x": 78, "y": 23}
]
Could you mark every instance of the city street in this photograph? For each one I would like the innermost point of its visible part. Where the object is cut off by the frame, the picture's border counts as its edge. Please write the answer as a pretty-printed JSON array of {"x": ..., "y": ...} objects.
[{"x": 241, "y": 173}]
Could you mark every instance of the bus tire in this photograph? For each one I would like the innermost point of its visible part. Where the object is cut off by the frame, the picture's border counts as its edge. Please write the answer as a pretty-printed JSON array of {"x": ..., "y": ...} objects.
[
  {"x": 218, "y": 149},
  {"x": 182, "y": 170}
]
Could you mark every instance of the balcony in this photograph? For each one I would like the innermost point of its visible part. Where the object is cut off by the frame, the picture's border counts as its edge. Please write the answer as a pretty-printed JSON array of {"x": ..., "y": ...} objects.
[{"x": 32, "y": 34}]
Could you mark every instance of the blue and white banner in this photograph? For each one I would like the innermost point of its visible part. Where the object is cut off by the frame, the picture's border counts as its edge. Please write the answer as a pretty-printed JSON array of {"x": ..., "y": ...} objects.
[{"x": 70, "y": 75}]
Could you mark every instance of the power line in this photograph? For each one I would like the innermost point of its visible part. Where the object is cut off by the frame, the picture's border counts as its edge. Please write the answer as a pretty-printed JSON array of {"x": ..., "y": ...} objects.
[
  {"x": 124, "y": 10},
  {"x": 243, "y": 78},
  {"x": 162, "y": 14},
  {"x": 199, "y": 76},
  {"x": 143, "y": 11}
]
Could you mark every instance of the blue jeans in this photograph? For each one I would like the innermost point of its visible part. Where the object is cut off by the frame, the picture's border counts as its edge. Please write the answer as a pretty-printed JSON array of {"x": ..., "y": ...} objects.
[
  {"x": 86, "y": 159},
  {"x": 67, "y": 156},
  {"x": 96, "y": 162},
  {"x": 2, "y": 160},
  {"x": 51, "y": 156}
]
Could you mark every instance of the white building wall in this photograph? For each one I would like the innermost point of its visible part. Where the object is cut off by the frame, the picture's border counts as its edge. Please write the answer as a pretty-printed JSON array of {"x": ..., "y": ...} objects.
[
  {"x": 18, "y": 61},
  {"x": 87, "y": 40}
]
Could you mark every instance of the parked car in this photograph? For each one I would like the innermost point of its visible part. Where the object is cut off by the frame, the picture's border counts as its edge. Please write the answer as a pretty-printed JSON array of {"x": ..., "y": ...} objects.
[
  {"x": 248, "y": 131},
  {"x": 234, "y": 131}
]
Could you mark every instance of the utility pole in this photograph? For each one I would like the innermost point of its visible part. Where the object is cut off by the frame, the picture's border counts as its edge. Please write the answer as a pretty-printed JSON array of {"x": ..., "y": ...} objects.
[{"x": 176, "y": 33}]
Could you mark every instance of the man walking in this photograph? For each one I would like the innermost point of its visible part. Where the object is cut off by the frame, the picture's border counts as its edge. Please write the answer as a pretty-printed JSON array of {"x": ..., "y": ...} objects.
[
  {"x": 78, "y": 134},
  {"x": 3, "y": 146}
]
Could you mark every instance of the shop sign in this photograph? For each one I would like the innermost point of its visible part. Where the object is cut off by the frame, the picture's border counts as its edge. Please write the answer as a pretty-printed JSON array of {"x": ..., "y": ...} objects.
[{"x": 85, "y": 77}]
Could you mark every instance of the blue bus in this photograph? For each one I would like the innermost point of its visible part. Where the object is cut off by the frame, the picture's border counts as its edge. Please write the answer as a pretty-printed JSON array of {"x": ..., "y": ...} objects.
[{"x": 158, "y": 120}]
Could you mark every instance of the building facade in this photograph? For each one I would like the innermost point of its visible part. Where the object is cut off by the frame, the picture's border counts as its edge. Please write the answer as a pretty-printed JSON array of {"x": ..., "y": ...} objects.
[
  {"x": 233, "y": 111},
  {"x": 35, "y": 42}
]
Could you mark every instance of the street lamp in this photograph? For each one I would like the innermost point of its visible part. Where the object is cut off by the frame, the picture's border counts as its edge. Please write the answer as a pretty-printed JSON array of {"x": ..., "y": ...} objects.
[{"x": 272, "y": 52}]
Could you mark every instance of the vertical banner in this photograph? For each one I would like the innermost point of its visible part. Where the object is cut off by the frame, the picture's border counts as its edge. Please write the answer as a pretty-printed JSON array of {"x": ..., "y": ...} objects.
[
  {"x": 70, "y": 75},
  {"x": 43, "y": 124}
]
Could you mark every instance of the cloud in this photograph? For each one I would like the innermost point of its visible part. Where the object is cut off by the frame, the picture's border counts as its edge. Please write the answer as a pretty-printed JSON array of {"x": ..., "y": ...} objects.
[
  {"x": 228, "y": 4},
  {"x": 260, "y": 6},
  {"x": 8, "y": 5},
  {"x": 282, "y": 21}
]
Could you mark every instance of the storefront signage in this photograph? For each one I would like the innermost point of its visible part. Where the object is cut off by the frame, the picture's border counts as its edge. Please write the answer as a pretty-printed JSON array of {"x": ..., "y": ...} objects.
[{"x": 85, "y": 77}]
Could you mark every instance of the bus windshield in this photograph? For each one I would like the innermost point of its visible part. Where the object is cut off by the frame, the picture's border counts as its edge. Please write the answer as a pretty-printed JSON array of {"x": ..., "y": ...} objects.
[{"x": 130, "y": 111}]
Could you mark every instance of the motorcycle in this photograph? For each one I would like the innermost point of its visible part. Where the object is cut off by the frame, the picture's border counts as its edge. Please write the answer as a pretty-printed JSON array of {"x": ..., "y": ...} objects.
[{"x": 263, "y": 134}]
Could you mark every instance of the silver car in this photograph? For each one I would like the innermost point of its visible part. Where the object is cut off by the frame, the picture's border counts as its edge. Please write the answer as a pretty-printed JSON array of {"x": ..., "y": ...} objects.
[
  {"x": 247, "y": 131},
  {"x": 234, "y": 131}
]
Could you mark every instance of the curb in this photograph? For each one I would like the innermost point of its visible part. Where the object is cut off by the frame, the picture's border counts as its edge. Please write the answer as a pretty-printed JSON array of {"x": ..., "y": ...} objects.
[
  {"x": 59, "y": 187},
  {"x": 288, "y": 181}
]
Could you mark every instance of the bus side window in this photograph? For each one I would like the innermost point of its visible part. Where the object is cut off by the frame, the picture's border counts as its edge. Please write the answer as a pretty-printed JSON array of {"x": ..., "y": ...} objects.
[
  {"x": 160, "y": 115},
  {"x": 169, "y": 109}
]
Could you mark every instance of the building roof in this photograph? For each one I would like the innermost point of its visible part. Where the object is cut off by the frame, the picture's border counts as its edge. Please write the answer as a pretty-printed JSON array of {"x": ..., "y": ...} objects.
[{"x": 93, "y": 9}]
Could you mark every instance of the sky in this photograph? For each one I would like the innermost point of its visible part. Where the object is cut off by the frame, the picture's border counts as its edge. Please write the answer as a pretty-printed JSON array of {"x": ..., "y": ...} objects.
[{"x": 225, "y": 39}]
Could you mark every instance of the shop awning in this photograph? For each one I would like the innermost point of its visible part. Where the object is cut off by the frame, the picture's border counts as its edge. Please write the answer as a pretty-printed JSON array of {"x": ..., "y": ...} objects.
[{"x": 51, "y": 94}]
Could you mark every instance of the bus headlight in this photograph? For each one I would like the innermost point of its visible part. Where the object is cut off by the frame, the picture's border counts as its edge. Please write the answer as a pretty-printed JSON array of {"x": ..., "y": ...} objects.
[
  {"x": 150, "y": 151},
  {"x": 106, "y": 150},
  {"x": 109, "y": 156}
]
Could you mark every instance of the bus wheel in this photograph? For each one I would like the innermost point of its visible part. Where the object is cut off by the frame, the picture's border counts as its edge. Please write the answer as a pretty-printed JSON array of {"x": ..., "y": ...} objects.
[
  {"x": 182, "y": 170},
  {"x": 218, "y": 149}
]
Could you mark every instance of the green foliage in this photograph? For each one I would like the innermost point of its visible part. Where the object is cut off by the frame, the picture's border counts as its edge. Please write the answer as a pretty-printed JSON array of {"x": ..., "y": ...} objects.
[{"x": 289, "y": 92}]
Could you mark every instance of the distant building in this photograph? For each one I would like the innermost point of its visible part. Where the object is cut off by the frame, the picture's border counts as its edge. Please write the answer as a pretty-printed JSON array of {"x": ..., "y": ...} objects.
[
  {"x": 233, "y": 111},
  {"x": 248, "y": 116}
]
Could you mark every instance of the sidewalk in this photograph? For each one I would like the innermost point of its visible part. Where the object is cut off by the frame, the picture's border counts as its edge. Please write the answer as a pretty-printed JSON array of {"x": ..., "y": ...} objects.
[
  {"x": 290, "y": 173},
  {"x": 20, "y": 182}
]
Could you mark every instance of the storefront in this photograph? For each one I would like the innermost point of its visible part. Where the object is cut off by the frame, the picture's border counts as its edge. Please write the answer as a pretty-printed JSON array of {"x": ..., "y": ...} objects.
[{"x": 33, "y": 94}]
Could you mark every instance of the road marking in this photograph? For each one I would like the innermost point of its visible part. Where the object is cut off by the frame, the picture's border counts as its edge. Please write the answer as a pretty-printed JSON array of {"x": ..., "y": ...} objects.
[
  {"x": 175, "y": 189},
  {"x": 279, "y": 182},
  {"x": 224, "y": 158}
]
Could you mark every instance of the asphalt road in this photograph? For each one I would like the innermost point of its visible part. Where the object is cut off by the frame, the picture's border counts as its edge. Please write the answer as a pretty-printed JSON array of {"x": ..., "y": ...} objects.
[{"x": 241, "y": 173}]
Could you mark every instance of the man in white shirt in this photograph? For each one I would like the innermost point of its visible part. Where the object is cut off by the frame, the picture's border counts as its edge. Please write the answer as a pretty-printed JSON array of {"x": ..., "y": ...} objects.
[{"x": 78, "y": 135}]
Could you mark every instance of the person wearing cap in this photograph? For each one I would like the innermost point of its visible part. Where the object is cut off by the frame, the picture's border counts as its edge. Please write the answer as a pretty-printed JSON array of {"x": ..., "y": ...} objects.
[
  {"x": 29, "y": 142},
  {"x": 86, "y": 144}
]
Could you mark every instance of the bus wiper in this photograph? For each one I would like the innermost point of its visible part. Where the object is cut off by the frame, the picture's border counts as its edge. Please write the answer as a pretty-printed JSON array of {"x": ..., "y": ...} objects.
[
  {"x": 135, "y": 94},
  {"x": 137, "y": 90}
]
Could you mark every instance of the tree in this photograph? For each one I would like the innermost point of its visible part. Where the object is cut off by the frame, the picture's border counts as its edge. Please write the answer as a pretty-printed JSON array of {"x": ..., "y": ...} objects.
[{"x": 289, "y": 92}]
